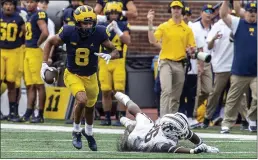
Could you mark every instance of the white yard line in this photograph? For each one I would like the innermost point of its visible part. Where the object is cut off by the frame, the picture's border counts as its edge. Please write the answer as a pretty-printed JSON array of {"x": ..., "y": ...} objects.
[
  {"x": 111, "y": 152},
  {"x": 118, "y": 131},
  {"x": 3, "y": 140}
]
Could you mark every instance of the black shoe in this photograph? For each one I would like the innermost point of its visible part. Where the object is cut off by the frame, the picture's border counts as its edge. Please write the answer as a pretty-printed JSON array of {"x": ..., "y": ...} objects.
[
  {"x": 38, "y": 119},
  {"x": 106, "y": 122},
  {"x": 244, "y": 125},
  {"x": 77, "y": 140},
  {"x": 206, "y": 123},
  {"x": 217, "y": 121},
  {"x": 22, "y": 119},
  {"x": 117, "y": 123},
  {"x": 11, "y": 117},
  {"x": 2, "y": 117},
  {"x": 91, "y": 141},
  {"x": 14, "y": 118}
]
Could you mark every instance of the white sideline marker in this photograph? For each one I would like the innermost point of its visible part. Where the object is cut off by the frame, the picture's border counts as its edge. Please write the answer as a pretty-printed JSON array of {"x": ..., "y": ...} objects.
[
  {"x": 111, "y": 152},
  {"x": 118, "y": 131}
]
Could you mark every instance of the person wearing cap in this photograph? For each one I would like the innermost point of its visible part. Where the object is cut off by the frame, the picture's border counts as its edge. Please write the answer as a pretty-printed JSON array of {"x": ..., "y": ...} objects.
[
  {"x": 176, "y": 37},
  {"x": 204, "y": 83},
  {"x": 244, "y": 67},
  {"x": 187, "y": 99},
  {"x": 222, "y": 57},
  {"x": 187, "y": 16}
]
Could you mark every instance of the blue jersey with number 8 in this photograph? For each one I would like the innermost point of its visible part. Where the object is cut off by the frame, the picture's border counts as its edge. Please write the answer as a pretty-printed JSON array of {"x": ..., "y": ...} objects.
[
  {"x": 33, "y": 31},
  {"x": 80, "y": 52},
  {"x": 10, "y": 31}
]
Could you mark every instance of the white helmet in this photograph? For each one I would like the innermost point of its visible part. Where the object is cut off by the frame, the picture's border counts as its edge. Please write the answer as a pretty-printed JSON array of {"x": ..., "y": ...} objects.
[{"x": 175, "y": 125}]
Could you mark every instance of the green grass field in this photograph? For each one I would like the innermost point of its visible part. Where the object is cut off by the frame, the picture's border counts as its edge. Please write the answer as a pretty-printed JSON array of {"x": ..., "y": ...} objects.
[{"x": 18, "y": 143}]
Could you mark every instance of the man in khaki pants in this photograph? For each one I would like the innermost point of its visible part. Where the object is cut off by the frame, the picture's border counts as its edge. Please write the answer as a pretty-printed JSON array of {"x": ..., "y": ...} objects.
[
  {"x": 204, "y": 80},
  {"x": 176, "y": 37},
  {"x": 244, "y": 68},
  {"x": 222, "y": 57}
]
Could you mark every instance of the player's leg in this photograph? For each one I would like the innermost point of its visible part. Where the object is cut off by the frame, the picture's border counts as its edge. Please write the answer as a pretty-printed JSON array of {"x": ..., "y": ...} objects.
[
  {"x": 105, "y": 79},
  {"x": 2, "y": 90},
  {"x": 31, "y": 90},
  {"x": 92, "y": 91},
  {"x": 42, "y": 99},
  {"x": 76, "y": 86},
  {"x": 19, "y": 77},
  {"x": 11, "y": 75},
  {"x": 2, "y": 77},
  {"x": 107, "y": 106},
  {"x": 119, "y": 86},
  {"x": 35, "y": 67}
]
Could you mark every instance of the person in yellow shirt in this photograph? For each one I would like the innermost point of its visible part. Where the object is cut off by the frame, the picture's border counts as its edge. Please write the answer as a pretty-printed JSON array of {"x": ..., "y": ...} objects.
[{"x": 176, "y": 38}]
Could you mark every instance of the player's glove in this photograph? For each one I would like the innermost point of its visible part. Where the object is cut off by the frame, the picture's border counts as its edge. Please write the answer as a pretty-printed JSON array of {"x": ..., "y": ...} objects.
[
  {"x": 44, "y": 67},
  {"x": 105, "y": 56},
  {"x": 199, "y": 149},
  {"x": 211, "y": 149},
  {"x": 113, "y": 26}
]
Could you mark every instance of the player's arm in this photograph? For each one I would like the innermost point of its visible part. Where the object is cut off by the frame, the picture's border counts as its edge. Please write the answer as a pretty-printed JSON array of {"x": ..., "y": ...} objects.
[
  {"x": 166, "y": 148},
  {"x": 195, "y": 139},
  {"x": 44, "y": 31},
  {"x": 239, "y": 10},
  {"x": 53, "y": 41},
  {"x": 131, "y": 10},
  {"x": 126, "y": 38},
  {"x": 111, "y": 48},
  {"x": 23, "y": 29}
]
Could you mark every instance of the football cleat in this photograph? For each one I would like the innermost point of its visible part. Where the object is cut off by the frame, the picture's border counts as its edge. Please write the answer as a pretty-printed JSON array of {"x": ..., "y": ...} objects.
[
  {"x": 244, "y": 125},
  {"x": 77, "y": 141},
  {"x": 205, "y": 123},
  {"x": 22, "y": 119},
  {"x": 37, "y": 120},
  {"x": 117, "y": 123},
  {"x": 91, "y": 141},
  {"x": 106, "y": 122}
]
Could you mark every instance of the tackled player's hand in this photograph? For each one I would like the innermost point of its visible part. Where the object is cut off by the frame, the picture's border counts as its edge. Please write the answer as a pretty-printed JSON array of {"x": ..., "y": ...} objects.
[
  {"x": 211, "y": 149},
  {"x": 201, "y": 148},
  {"x": 44, "y": 67}
]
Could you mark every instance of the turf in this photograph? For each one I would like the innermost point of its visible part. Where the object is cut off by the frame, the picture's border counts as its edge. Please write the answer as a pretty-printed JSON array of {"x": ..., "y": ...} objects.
[{"x": 38, "y": 144}]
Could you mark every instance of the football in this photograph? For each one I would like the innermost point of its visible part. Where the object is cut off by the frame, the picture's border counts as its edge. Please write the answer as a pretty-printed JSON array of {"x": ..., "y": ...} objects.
[{"x": 51, "y": 76}]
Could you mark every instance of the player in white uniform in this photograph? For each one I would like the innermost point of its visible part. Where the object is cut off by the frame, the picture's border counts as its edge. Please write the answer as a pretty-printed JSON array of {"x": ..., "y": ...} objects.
[{"x": 146, "y": 136}]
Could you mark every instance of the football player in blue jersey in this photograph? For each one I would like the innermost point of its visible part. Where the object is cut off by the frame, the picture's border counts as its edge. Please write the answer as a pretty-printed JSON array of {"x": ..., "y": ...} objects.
[
  {"x": 12, "y": 29},
  {"x": 82, "y": 42},
  {"x": 36, "y": 34},
  {"x": 68, "y": 12},
  {"x": 112, "y": 75},
  {"x": 128, "y": 9}
]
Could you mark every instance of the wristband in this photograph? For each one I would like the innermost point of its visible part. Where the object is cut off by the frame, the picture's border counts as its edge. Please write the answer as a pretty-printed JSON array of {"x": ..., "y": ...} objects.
[
  {"x": 191, "y": 151},
  {"x": 119, "y": 32},
  {"x": 150, "y": 28}
]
